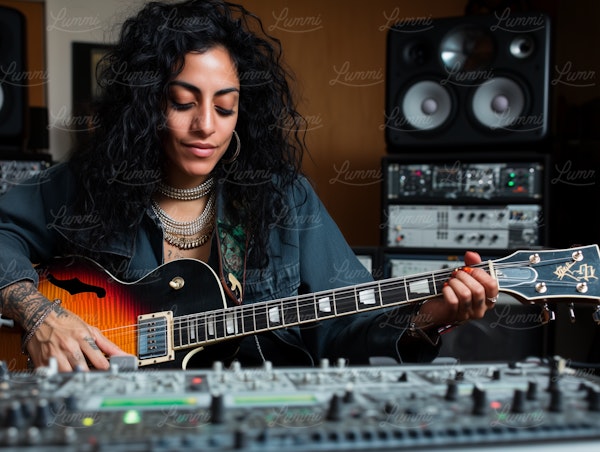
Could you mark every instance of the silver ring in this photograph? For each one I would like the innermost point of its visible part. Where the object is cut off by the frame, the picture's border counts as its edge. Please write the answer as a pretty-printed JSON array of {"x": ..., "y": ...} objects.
[{"x": 493, "y": 299}]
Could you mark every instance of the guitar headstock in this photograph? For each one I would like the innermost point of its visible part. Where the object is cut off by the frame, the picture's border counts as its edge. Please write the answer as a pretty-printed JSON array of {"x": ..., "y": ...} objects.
[{"x": 540, "y": 275}]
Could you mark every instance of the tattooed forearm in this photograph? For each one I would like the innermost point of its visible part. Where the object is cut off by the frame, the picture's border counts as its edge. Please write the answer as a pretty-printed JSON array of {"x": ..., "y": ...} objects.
[{"x": 23, "y": 303}]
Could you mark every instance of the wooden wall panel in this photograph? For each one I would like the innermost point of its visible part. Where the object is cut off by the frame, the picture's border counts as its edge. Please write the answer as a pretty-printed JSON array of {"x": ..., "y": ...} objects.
[
  {"x": 36, "y": 61},
  {"x": 337, "y": 51}
]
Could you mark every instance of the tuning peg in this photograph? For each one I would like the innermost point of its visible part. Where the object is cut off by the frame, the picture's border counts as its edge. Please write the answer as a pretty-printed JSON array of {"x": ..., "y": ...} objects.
[
  {"x": 572, "y": 312},
  {"x": 546, "y": 315},
  {"x": 596, "y": 315}
]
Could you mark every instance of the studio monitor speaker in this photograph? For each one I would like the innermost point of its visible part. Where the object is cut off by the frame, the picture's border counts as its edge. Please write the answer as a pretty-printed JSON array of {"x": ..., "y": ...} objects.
[
  {"x": 467, "y": 81},
  {"x": 13, "y": 79}
]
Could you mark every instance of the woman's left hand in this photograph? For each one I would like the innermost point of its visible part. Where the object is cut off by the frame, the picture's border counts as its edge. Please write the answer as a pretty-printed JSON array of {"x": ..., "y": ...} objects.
[{"x": 468, "y": 294}]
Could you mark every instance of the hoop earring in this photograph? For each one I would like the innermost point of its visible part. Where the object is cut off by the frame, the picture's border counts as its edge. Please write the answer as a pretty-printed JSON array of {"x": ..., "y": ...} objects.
[{"x": 237, "y": 150}]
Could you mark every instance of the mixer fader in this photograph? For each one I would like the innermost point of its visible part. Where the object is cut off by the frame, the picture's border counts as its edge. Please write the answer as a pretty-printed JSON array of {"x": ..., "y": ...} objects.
[{"x": 330, "y": 407}]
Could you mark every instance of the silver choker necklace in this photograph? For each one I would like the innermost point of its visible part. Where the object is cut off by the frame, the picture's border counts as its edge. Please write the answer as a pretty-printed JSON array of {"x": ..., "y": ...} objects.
[
  {"x": 186, "y": 235},
  {"x": 186, "y": 194}
]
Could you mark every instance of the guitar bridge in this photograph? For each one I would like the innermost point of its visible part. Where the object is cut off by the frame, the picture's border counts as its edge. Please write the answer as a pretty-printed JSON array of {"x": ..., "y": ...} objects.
[{"x": 155, "y": 334}]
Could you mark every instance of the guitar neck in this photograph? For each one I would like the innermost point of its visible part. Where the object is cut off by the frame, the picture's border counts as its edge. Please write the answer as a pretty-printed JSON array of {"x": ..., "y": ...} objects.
[{"x": 213, "y": 326}]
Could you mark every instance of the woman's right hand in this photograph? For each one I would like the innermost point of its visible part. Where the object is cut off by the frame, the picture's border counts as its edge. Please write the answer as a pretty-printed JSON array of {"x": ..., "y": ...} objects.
[
  {"x": 75, "y": 344},
  {"x": 60, "y": 334}
]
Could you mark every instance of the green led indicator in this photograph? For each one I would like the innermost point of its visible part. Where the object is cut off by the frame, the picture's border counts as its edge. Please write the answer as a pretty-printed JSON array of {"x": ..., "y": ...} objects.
[
  {"x": 131, "y": 417},
  {"x": 511, "y": 183}
]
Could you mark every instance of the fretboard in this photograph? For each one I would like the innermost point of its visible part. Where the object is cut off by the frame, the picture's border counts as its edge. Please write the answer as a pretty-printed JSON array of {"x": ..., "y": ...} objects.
[{"x": 213, "y": 326}]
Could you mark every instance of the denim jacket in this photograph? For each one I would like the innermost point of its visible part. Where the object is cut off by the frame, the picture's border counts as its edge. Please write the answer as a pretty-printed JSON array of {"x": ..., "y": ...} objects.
[{"x": 307, "y": 253}]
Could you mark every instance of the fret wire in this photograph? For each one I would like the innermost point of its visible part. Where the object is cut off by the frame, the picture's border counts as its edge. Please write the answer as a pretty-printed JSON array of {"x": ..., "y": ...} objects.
[
  {"x": 191, "y": 334},
  {"x": 334, "y": 303},
  {"x": 199, "y": 338},
  {"x": 301, "y": 302},
  {"x": 298, "y": 308},
  {"x": 176, "y": 321},
  {"x": 206, "y": 326},
  {"x": 281, "y": 313},
  {"x": 199, "y": 324}
]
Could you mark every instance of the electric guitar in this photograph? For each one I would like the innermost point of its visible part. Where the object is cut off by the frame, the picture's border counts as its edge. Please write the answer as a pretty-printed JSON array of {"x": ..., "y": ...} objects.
[{"x": 179, "y": 308}]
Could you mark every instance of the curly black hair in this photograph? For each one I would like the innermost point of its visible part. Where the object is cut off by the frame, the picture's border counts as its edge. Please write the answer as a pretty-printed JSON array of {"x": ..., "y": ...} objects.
[{"x": 121, "y": 162}]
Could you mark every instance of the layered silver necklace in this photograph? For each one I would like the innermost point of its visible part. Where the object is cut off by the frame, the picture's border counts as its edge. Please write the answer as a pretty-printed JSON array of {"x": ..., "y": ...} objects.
[
  {"x": 186, "y": 235},
  {"x": 186, "y": 194}
]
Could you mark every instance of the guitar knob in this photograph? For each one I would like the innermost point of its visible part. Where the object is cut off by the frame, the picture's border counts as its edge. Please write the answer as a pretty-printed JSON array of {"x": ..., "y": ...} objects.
[{"x": 177, "y": 283}]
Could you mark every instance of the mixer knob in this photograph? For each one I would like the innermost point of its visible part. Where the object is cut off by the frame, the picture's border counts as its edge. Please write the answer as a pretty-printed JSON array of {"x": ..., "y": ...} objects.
[
  {"x": 451, "y": 391},
  {"x": 33, "y": 435},
  {"x": 334, "y": 412},
  {"x": 593, "y": 398},
  {"x": 11, "y": 436},
  {"x": 479, "y": 401},
  {"x": 69, "y": 435},
  {"x": 532, "y": 388},
  {"x": 349, "y": 394},
  {"x": 496, "y": 374},
  {"x": 518, "y": 403},
  {"x": 42, "y": 414},
  {"x": 240, "y": 439},
  {"x": 556, "y": 401},
  {"x": 14, "y": 415},
  {"x": 71, "y": 402},
  {"x": 217, "y": 409}
]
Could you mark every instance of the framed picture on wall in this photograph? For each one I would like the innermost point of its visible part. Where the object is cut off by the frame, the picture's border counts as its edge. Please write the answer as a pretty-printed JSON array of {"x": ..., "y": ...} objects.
[{"x": 85, "y": 89}]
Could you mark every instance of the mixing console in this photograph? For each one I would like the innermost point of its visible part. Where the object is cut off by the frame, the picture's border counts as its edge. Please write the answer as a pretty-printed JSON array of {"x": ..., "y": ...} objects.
[{"x": 330, "y": 407}]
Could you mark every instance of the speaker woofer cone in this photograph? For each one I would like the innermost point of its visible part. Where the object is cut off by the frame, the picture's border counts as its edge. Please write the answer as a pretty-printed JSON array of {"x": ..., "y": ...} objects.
[
  {"x": 426, "y": 105},
  {"x": 498, "y": 103}
]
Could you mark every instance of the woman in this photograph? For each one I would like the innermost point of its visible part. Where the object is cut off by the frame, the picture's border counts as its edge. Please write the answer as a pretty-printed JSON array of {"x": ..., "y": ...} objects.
[{"x": 195, "y": 152}]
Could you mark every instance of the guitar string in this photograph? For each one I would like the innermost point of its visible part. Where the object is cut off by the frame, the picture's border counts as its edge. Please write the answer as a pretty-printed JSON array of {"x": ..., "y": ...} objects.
[
  {"x": 237, "y": 316},
  {"x": 202, "y": 318}
]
